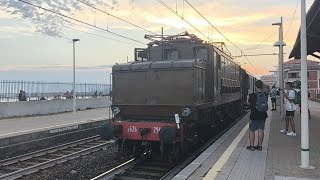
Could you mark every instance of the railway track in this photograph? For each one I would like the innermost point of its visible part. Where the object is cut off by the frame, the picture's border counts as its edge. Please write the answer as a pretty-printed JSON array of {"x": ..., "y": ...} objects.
[
  {"x": 135, "y": 169},
  {"x": 16, "y": 167}
]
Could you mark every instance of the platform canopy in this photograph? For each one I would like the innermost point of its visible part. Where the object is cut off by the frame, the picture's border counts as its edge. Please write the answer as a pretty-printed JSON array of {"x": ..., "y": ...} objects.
[{"x": 313, "y": 33}]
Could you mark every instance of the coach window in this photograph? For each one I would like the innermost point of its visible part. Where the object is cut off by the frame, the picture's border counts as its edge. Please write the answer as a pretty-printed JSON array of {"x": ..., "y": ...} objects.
[
  {"x": 218, "y": 71},
  {"x": 218, "y": 61},
  {"x": 200, "y": 52},
  {"x": 223, "y": 67}
]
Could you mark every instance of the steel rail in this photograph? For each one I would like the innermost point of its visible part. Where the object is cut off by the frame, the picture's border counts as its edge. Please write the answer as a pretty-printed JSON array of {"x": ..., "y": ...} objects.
[
  {"x": 117, "y": 170},
  {"x": 95, "y": 143}
]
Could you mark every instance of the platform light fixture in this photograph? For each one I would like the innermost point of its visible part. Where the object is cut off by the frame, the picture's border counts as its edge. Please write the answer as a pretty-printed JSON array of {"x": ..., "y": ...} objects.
[{"x": 280, "y": 44}]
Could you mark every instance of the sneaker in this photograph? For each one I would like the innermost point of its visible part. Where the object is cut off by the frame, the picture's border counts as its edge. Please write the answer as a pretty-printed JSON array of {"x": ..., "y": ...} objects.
[
  {"x": 250, "y": 148},
  {"x": 291, "y": 134},
  {"x": 283, "y": 131},
  {"x": 258, "y": 148}
]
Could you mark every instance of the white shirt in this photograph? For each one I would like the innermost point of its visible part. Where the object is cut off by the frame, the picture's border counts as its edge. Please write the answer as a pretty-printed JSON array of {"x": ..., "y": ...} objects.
[{"x": 290, "y": 106}]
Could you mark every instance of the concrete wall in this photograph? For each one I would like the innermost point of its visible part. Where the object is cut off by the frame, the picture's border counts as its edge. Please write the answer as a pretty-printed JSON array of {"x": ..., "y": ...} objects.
[{"x": 25, "y": 108}]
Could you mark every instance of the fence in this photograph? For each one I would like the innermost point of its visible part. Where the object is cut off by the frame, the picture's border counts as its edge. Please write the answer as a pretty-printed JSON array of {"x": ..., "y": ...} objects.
[
  {"x": 315, "y": 95},
  {"x": 34, "y": 90}
]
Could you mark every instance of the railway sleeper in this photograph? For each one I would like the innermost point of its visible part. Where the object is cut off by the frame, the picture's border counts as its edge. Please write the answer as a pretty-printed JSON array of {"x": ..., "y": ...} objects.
[
  {"x": 143, "y": 174},
  {"x": 158, "y": 164},
  {"x": 67, "y": 151},
  {"x": 41, "y": 159},
  {"x": 58, "y": 155},
  {"x": 149, "y": 170},
  {"x": 77, "y": 149},
  {"x": 85, "y": 146},
  {"x": 95, "y": 143},
  {"x": 30, "y": 163},
  {"x": 12, "y": 168},
  {"x": 152, "y": 168},
  {"x": 131, "y": 178}
]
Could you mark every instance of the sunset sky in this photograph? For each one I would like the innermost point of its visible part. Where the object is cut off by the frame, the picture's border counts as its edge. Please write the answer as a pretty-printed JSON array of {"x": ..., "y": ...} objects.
[{"x": 36, "y": 45}]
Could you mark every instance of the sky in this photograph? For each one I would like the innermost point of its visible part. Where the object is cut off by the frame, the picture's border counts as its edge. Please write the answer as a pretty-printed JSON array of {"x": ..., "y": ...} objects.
[{"x": 36, "y": 44}]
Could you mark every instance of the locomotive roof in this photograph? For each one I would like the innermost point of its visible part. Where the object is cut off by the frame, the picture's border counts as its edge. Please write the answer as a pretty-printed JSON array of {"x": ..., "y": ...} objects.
[{"x": 143, "y": 65}]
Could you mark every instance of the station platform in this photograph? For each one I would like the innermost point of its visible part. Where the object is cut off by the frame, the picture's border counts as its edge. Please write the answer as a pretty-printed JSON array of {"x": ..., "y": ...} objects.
[
  {"x": 25, "y": 125},
  {"x": 228, "y": 158}
]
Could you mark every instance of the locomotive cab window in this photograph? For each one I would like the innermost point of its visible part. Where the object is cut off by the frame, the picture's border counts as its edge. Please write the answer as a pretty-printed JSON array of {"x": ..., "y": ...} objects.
[
  {"x": 141, "y": 54},
  {"x": 200, "y": 52},
  {"x": 171, "y": 54}
]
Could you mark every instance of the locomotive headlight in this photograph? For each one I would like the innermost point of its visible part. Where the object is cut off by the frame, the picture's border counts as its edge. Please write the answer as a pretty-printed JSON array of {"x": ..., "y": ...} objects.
[
  {"x": 186, "y": 112},
  {"x": 115, "y": 110}
]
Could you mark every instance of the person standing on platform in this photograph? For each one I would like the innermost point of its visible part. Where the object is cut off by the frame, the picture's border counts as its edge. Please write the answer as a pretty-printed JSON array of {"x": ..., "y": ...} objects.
[
  {"x": 273, "y": 96},
  {"x": 20, "y": 97},
  {"x": 290, "y": 110},
  {"x": 266, "y": 89},
  {"x": 258, "y": 103}
]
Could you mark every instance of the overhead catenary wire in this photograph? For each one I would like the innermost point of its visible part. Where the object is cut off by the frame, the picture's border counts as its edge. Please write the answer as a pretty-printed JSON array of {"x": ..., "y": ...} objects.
[
  {"x": 74, "y": 29},
  {"x": 263, "y": 54},
  {"x": 185, "y": 20},
  {"x": 293, "y": 16},
  {"x": 116, "y": 17},
  {"x": 255, "y": 47},
  {"x": 242, "y": 53},
  {"x": 82, "y": 22}
]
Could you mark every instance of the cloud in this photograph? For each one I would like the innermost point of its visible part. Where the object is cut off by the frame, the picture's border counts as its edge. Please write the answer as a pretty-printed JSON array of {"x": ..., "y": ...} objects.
[
  {"x": 49, "y": 23},
  {"x": 14, "y": 31}
]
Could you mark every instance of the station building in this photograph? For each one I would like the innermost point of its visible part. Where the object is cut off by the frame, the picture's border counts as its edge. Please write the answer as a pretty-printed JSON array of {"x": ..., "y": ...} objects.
[{"x": 292, "y": 69}]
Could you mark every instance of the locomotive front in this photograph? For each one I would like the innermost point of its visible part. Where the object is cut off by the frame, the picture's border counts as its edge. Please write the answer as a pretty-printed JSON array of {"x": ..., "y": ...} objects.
[{"x": 150, "y": 98}]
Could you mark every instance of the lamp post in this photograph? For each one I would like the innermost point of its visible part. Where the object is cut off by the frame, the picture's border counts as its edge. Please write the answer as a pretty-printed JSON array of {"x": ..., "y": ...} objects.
[
  {"x": 74, "y": 75},
  {"x": 280, "y": 43}
]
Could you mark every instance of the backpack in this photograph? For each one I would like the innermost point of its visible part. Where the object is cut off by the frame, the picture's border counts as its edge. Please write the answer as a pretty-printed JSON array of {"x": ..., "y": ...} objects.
[
  {"x": 297, "y": 97},
  {"x": 261, "y": 102},
  {"x": 273, "y": 93}
]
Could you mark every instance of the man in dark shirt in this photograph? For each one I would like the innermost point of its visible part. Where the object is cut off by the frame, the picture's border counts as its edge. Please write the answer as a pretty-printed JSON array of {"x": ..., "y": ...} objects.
[{"x": 257, "y": 119}]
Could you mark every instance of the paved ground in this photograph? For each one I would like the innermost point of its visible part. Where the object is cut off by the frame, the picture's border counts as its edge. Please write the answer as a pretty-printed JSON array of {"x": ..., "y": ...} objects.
[
  {"x": 15, "y": 126},
  {"x": 229, "y": 159},
  {"x": 284, "y": 152}
]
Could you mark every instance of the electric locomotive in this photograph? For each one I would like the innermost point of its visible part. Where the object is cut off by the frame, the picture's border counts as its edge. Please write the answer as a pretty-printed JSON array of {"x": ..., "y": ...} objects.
[{"x": 178, "y": 92}]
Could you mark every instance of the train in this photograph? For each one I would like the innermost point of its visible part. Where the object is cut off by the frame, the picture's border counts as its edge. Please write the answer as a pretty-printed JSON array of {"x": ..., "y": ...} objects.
[{"x": 178, "y": 92}]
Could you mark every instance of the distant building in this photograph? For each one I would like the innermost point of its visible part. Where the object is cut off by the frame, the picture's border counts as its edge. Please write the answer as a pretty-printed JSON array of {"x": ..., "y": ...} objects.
[
  {"x": 269, "y": 79},
  {"x": 292, "y": 69}
]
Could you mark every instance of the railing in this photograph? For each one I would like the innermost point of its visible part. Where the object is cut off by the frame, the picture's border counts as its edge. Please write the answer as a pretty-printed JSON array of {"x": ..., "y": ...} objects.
[
  {"x": 315, "y": 95},
  {"x": 34, "y": 90}
]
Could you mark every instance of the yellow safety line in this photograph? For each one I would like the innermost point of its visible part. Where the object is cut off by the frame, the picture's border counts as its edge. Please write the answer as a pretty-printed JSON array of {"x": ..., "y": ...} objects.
[{"x": 216, "y": 168}]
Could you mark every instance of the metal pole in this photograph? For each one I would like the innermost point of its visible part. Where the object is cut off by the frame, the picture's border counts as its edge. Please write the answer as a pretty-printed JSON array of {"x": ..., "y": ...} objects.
[
  {"x": 281, "y": 70},
  {"x": 74, "y": 79},
  {"x": 304, "y": 92},
  {"x": 162, "y": 56},
  {"x": 74, "y": 75}
]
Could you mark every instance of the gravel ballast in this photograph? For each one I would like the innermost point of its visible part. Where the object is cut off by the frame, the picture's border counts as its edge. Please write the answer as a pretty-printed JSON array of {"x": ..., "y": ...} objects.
[{"x": 82, "y": 168}]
